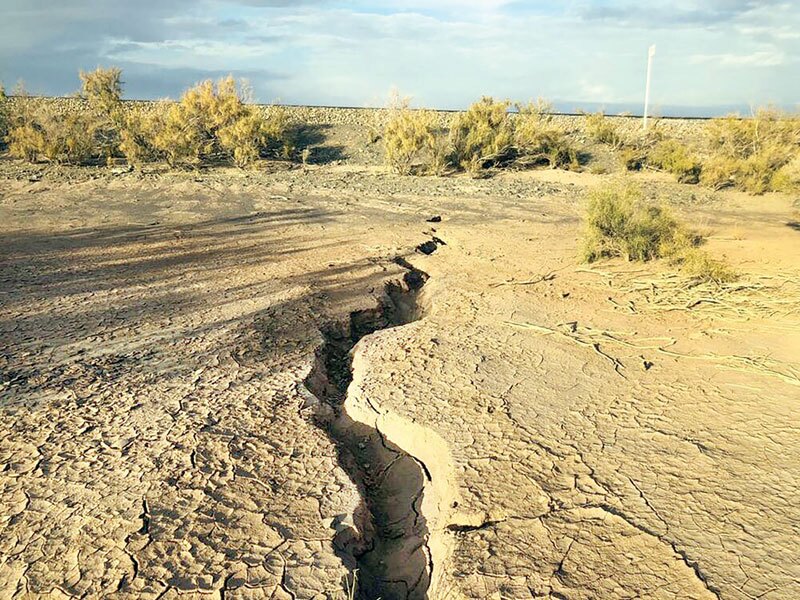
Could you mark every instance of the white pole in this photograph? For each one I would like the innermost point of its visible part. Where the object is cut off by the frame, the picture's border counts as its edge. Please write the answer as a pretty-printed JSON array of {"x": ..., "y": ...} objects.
[{"x": 650, "y": 54}]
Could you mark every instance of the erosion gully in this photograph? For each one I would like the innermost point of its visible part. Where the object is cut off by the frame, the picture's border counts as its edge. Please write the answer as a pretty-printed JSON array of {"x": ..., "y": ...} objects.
[{"x": 388, "y": 536}]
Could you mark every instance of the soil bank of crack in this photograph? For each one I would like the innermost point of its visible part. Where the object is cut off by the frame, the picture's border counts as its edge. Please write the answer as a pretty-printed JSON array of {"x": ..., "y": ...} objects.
[{"x": 388, "y": 539}]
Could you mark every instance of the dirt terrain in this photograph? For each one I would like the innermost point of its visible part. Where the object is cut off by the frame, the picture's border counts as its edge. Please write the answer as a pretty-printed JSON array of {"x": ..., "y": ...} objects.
[{"x": 269, "y": 383}]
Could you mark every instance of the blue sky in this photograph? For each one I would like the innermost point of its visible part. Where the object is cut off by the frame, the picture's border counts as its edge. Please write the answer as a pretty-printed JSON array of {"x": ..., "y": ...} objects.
[{"x": 443, "y": 53}]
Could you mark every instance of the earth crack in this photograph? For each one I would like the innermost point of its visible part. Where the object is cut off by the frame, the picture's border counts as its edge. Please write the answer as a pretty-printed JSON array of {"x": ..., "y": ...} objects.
[{"x": 387, "y": 539}]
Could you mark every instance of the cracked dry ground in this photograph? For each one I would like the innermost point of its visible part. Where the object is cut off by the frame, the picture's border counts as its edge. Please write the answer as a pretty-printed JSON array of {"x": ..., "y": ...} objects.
[{"x": 581, "y": 433}]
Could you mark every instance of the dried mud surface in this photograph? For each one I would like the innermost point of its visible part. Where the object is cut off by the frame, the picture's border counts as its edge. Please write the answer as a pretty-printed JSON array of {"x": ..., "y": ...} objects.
[{"x": 251, "y": 385}]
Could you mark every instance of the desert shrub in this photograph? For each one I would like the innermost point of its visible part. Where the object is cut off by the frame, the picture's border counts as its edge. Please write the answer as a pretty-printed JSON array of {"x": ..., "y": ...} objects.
[
  {"x": 102, "y": 90},
  {"x": 409, "y": 137},
  {"x": 212, "y": 121},
  {"x": 244, "y": 138},
  {"x": 484, "y": 130},
  {"x": 179, "y": 137},
  {"x": 277, "y": 127},
  {"x": 600, "y": 129},
  {"x": 619, "y": 222},
  {"x": 39, "y": 129},
  {"x": 538, "y": 140},
  {"x": 699, "y": 266},
  {"x": 787, "y": 178},
  {"x": 674, "y": 157},
  {"x": 138, "y": 133},
  {"x": 4, "y": 113},
  {"x": 752, "y": 154}
]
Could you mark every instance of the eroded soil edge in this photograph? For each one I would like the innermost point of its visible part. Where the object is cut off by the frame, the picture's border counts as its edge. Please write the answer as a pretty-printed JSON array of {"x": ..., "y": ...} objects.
[{"x": 389, "y": 538}]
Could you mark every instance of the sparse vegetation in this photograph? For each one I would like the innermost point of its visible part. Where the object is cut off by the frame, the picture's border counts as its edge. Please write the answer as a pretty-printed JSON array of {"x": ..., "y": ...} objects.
[
  {"x": 756, "y": 155},
  {"x": 619, "y": 221},
  {"x": 699, "y": 266},
  {"x": 600, "y": 129},
  {"x": 212, "y": 121}
]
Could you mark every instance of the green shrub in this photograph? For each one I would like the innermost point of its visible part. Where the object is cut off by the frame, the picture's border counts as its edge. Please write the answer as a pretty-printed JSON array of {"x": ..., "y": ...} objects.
[
  {"x": 752, "y": 154},
  {"x": 674, "y": 157},
  {"x": 619, "y": 222},
  {"x": 700, "y": 267}
]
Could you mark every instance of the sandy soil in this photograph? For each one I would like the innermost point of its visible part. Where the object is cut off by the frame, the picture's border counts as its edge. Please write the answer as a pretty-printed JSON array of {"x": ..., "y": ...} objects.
[{"x": 180, "y": 415}]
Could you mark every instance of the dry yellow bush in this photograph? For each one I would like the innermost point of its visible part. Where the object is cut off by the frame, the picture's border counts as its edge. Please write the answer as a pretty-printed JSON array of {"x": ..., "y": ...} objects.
[
  {"x": 411, "y": 138},
  {"x": 38, "y": 130},
  {"x": 102, "y": 90},
  {"x": 539, "y": 141},
  {"x": 484, "y": 130},
  {"x": 4, "y": 113},
  {"x": 600, "y": 129},
  {"x": 244, "y": 138},
  {"x": 212, "y": 121},
  {"x": 138, "y": 133},
  {"x": 752, "y": 154}
]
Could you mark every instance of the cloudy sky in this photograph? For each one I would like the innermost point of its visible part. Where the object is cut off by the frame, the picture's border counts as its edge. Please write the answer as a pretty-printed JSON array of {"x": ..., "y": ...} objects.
[{"x": 444, "y": 53}]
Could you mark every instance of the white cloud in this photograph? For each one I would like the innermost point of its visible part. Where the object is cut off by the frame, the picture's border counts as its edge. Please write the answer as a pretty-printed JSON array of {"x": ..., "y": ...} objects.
[
  {"x": 445, "y": 53},
  {"x": 764, "y": 58}
]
